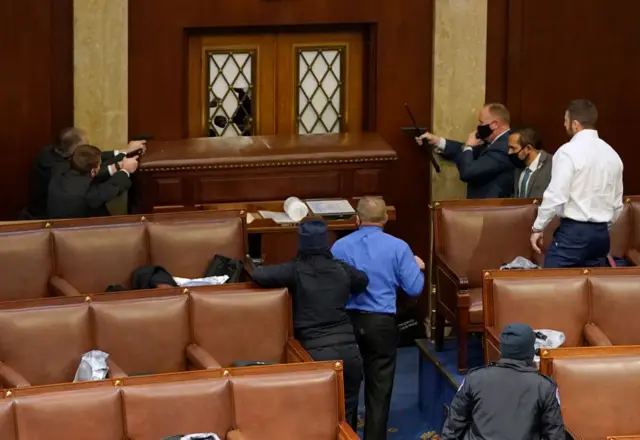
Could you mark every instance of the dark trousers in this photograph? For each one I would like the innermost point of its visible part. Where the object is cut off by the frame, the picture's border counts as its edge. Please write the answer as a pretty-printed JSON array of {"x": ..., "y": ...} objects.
[
  {"x": 578, "y": 244},
  {"x": 377, "y": 336},
  {"x": 352, "y": 372}
]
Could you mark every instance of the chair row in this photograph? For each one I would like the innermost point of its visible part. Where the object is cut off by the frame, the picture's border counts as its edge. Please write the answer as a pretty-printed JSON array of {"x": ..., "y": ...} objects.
[
  {"x": 278, "y": 402},
  {"x": 471, "y": 236},
  {"x": 73, "y": 257},
  {"x": 598, "y": 390},
  {"x": 145, "y": 332},
  {"x": 595, "y": 307}
]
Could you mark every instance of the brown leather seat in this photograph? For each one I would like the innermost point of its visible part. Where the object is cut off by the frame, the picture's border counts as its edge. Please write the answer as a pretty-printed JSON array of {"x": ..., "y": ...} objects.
[
  {"x": 567, "y": 300},
  {"x": 80, "y": 256},
  {"x": 598, "y": 392},
  {"x": 281, "y": 402},
  {"x": 145, "y": 332},
  {"x": 472, "y": 236}
]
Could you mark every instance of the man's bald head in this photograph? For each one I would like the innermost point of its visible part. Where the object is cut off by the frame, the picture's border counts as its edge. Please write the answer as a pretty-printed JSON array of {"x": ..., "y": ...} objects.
[
  {"x": 372, "y": 210},
  {"x": 70, "y": 139}
]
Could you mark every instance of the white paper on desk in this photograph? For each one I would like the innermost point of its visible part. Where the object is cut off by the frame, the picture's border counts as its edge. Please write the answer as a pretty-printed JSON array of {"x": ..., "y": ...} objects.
[
  {"x": 327, "y": 207},
  {"x": 278, "y": 217}
]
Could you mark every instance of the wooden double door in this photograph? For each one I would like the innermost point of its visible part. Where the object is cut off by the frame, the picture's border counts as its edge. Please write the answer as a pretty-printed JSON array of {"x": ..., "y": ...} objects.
[{"x": 281, "y": 83}]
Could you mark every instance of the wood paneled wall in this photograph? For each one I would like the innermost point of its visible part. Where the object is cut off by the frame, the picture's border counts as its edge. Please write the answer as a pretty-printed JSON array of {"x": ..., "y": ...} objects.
[
  {"x": 36, "y": 88},
  {"x": 543, "y": 53},
  {"x": 401, "y": 47}
]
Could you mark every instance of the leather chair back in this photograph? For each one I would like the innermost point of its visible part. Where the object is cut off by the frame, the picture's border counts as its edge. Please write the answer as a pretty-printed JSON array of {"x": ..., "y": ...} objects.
[
  {"x": 45, "y": 344},
  {"x": 7, "y": 431},
  {"x": 263, "y": 406},
  {"x": 185, "y": 248},
  {"x": 615, "y": 302},
  {"x": 94, "y": 414},
  {"x": 544, "y": 303},
  {"x": 477, "y": 238},
  {"x": 158, "y": 410},
  {"x": 598, "y": 394},
  {"x": 25, "y": 259},
  {"x": 144, "y": 335},
  {"x": 92, "y": 258},
  {"x": 252, "y": 325}
]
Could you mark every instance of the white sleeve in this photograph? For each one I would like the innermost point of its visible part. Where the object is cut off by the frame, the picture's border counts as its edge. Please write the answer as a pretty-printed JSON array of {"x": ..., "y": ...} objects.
[{"x": 557, "y": 193}]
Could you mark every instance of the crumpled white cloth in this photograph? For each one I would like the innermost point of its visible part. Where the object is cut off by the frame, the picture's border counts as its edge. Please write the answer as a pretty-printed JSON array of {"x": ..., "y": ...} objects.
[
  {"x": 520, "y": 263},
  {"x": 208, "y": 281},
  {"x": 93, "y": 366},
  {"x": 203, "y": 436},
  {"x": 554, "y": 340}
]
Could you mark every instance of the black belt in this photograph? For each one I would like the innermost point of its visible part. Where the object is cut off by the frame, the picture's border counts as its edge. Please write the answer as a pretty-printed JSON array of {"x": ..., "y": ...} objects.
[{"x": 366, "y": 312}]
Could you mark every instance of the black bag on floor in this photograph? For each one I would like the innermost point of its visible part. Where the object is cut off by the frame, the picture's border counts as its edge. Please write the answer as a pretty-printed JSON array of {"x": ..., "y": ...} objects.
[
  {"x": 221, "y": 265},
  {"x": 251, "y": 363}
]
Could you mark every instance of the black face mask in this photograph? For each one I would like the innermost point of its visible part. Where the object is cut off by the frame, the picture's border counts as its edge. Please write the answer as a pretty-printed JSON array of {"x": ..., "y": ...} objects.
[
  {"x": 484, "y": 131},
  {"x": 516, "y": 161}
]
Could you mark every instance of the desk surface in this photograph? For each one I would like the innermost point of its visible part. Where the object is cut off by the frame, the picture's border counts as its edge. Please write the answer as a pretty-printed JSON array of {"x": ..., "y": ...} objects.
[
  {"x": 255, "y": 223},
  {"x": 266, "y": 150}
]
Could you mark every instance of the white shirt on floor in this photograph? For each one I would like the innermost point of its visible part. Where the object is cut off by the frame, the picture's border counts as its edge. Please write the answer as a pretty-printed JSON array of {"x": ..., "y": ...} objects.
[{"x": 586, "y": 182}]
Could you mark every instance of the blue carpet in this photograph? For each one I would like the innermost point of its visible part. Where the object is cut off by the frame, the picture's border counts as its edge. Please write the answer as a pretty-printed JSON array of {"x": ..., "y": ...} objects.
[
  {"x": 438, "y": 378},
  {"x": 406, "y": 422}
]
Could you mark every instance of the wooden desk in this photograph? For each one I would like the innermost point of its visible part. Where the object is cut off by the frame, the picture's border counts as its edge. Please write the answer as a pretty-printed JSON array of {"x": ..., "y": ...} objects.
[
  {"x": 191, "y": 172},
  {"x": 277, "y": 243}
]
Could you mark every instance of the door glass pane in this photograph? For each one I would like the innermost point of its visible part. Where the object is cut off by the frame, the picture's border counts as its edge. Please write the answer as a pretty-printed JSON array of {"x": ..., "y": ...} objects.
[
  {"x": 230, "y": 88},
  {"x": 320, "y": 90}
]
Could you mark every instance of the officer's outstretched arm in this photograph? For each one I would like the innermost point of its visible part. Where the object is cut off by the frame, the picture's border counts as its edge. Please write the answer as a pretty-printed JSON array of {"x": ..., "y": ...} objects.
[
  {"x": 551, "y": 422},
  {"x": 459, "y": 418}
]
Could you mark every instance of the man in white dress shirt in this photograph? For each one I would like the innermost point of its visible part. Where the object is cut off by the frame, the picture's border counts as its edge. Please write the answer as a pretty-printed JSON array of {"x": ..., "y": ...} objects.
[{"x": 585, "y": 192}]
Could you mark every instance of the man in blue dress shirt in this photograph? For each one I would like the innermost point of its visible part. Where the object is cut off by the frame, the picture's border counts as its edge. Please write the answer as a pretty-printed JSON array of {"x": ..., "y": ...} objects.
[{"x": 390, "y": 264}]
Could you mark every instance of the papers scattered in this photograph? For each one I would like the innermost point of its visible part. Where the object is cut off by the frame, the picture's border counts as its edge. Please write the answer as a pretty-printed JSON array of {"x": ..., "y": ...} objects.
[
  {"x": 330, "y": 207},
  {"x": 278, "y": 217}
]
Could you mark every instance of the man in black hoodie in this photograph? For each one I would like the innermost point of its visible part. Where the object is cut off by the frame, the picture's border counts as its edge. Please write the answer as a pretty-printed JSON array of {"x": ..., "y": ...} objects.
[
  {"x": 320, "y": 286},
  {"x": 509, "y": 399}
]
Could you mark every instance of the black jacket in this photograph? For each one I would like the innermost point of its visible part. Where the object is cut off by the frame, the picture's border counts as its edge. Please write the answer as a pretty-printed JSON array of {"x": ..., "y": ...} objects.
[
  {"x": 72, "y": 195},
  {"x": 320, "y": 287},
  {"x": 487, "y": 170},
  {"x": 506, "y": 400},
  {"x": 47, "y": 164}
]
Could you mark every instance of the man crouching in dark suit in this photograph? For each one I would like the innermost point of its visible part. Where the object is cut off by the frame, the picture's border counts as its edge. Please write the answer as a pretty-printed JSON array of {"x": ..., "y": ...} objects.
[
  {"x": 57, "y": 156},
  {"x": 533, "y": 165},
  {"x": 482, "y": 161},
  {"x": 83, "y": 190}
]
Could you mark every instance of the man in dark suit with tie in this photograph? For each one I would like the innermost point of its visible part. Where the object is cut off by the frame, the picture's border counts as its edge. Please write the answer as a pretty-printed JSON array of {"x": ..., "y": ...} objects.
[
  {"x": 482, "y": 160},
  {"x": 54, "y": 159},
  {"x": 533, "y": 165}
]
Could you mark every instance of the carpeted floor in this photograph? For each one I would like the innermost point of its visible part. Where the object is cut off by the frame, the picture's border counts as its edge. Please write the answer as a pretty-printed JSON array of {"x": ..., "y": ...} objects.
[{"x": 405, "y": 419}]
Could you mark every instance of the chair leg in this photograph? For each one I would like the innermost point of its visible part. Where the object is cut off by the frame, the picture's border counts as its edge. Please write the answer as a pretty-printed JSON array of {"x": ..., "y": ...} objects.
[
  {"x": 439, "y": 331},
  {"x": 463, "y": 339}
]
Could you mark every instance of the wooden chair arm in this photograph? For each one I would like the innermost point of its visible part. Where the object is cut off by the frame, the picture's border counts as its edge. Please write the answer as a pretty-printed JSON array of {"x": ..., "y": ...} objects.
[
  {"x": 345, "y": 432},
  {"x": 11, "y": 378},
  {"x": 450, "y": 285},
  {"x": 296, "y": 353},
  {"x": 200, "y": 358},
  {"x": 115, "y": 372},
  {"x": 62, "y": 287},
  {"x": 595, "y": 336}
]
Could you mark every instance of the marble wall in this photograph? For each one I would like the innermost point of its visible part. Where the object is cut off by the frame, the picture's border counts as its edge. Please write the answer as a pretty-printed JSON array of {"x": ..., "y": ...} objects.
[
  {"x": 100, "y": 70},
  {"x": 101, "y": 59},
  {"x": 459, "y": 66}
]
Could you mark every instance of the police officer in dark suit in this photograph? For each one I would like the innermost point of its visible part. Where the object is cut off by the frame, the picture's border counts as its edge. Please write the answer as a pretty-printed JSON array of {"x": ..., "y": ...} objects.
[
  {"x": 508, "y": 399},
  {"x": 482, "y": 161},
  {"x": 54, "y": 159},
  {"x": 83, "y": 190},
  {"x": 320, "y": 287}
]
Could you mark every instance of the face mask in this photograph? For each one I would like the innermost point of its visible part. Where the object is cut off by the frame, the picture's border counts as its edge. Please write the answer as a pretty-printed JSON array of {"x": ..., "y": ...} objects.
[
  {"x": 484, "y": 131},
  {"x": 516, "y": 161}
]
